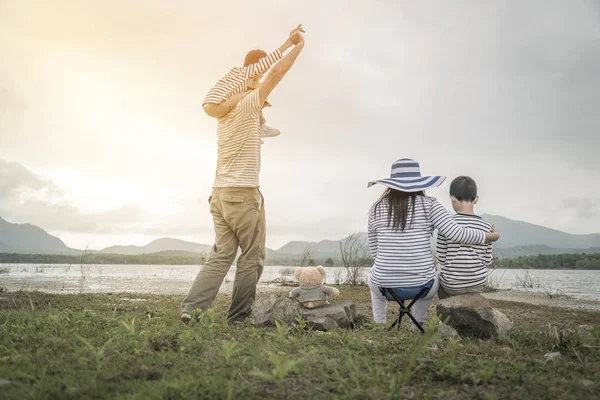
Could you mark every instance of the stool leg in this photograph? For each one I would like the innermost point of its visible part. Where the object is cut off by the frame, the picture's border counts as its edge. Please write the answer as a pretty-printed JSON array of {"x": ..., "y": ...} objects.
[
  {"x": 416, "y": 323},
  {"x": 396, "y": 323}
]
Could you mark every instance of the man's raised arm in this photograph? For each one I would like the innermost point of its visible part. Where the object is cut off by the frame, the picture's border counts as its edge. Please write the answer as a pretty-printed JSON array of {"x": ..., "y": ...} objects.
[
  {"x": 280, "y": 69},
  {"x": 262, "y": 65}
]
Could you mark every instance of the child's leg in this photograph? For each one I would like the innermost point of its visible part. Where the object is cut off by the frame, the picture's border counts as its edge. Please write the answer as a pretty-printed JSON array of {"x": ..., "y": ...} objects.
[
  {"x": 266, "y": 130},
  {"x": 379, "y": 304},
  {"x": 224, "y": 107},
  {"x": 419, "y": 309}
]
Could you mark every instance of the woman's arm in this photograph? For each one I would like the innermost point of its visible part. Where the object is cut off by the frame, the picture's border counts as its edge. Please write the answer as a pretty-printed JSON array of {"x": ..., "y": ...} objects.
[
  {"x": 445, "y": 224},
  {"x": 372, "y": 234}
]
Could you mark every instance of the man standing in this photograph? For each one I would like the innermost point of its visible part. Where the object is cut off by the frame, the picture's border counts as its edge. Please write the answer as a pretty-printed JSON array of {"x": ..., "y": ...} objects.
[{"x": 236, "y": 203}]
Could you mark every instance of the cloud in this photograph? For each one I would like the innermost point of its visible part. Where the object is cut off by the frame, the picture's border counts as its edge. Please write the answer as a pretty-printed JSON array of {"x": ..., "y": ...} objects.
[
  {"x": 15, "y": 177},
  {"x": 28, "y": 197},
  {"x": 495, "y": 90},
  {"x": 584, "y": 208}
]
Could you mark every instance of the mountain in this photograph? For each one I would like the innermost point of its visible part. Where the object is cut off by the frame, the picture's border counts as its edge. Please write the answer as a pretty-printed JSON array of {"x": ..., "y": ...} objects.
[
  {"x": 518, "y": 233},
  {"x": 322, "y": 249},
  {"x": 159, "y": 245},
  {"x": 30, "y": 239},
  {"x": 165, "y": 246},
  {"x": 518, "y": 238}
]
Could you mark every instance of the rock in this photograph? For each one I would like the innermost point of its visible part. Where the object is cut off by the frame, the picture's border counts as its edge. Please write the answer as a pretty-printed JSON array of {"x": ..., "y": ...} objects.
[
  {"x": 587, "y": 382},
  {"x": 447, "y": 331},
  {"x": 585, "y": 330},
  {"x": 552, "y": 356},
  {"x": 472, "y": 315},
  {"x": 268, "y": 309}
]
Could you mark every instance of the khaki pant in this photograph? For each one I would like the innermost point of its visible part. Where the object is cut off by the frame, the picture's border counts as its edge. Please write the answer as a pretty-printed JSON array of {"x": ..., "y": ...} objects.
[
  {"x": 444, "y": 293},
  {"x": 239, "y": 220}
]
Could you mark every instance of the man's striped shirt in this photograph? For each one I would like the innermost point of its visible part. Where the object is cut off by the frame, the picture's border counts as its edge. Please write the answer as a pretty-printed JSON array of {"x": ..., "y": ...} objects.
[
  {"x": 403, "y": 258},
  {"x": 238, "y": 162},
  {"x": 464, "y": 266},
  {"x": 238, "y": 79}
]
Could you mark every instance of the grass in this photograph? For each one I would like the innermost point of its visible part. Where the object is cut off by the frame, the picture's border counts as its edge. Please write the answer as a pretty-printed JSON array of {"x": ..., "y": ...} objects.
[{"x": 112, "y": 346}]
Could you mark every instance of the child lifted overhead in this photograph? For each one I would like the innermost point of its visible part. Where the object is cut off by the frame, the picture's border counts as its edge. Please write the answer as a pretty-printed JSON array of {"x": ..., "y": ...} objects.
[{"x": 234, "y": 86}]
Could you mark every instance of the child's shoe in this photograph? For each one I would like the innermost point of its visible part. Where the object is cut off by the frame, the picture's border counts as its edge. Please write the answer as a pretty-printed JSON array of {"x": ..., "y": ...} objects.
[{"x": 269, "y": 131}]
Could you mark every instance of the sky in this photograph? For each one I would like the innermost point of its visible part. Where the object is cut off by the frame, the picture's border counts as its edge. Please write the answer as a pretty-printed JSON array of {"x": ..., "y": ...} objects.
[{"x": 103, "y": 139}]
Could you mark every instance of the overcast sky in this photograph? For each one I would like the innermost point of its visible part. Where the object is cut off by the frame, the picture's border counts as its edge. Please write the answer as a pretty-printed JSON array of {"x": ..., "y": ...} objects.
[{"x": 103, "y": 139}]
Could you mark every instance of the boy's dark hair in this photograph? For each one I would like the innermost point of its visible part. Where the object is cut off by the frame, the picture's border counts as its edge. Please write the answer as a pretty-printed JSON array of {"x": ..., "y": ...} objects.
[
  {"x": 463, "y": 188},
  {"x": 253, "y": 56}
]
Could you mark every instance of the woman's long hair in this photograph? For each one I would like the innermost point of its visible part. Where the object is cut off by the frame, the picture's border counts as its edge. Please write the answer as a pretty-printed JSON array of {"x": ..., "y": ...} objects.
[{"x": 399, "y": 205}]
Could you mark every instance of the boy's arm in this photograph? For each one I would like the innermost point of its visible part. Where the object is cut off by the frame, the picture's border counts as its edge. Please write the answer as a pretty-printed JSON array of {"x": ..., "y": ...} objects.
[
  {"x": 441, "y": 249},
  {"x": 265, "y": 63},
  {"x": 279, "y": 71}
]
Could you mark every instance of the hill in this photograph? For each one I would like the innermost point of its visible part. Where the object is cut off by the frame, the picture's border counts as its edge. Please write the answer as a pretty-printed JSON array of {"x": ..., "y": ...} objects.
[{"x": 30, "y": 239}]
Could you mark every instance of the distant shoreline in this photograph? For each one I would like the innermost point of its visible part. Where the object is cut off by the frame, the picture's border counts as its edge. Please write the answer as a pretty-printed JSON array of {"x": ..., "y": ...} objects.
[
  {"x": 570, "y": 261},
  {"x": 543, "y": 300}
]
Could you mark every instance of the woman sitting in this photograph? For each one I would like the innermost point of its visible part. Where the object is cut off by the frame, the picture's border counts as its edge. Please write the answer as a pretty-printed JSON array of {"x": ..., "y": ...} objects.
[{"x": 400, "y": 226}]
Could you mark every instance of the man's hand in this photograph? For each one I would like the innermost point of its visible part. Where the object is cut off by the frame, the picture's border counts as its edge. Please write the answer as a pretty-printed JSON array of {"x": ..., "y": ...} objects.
[
  {"x": 296, "y": 34},
  {"x": 292, "y": 39}
]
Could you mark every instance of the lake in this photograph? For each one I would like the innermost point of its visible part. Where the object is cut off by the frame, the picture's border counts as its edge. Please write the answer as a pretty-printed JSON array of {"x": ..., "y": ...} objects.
[{"x": 176, "y": 279}]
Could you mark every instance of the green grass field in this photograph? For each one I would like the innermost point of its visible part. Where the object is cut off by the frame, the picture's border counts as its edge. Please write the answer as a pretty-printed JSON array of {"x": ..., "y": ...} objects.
[{"x": 118, "y": 346}]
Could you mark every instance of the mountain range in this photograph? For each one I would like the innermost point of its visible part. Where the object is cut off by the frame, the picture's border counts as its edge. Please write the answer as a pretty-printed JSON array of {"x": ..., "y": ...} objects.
[{"x": 518, "y": 238}]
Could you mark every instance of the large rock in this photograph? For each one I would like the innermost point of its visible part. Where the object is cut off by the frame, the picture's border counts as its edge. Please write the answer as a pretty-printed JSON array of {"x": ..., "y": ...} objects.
[
  {"x": 472, "y": 315},
  {"x": 272, "y": 307}
]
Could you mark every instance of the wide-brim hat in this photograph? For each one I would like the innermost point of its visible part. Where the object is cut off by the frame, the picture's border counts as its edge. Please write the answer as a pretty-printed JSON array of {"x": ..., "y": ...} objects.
[{"x": 406, "y": 176}]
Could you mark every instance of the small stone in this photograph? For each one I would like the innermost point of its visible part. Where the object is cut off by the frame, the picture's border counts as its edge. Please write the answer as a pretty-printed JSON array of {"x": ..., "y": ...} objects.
[
  {"x": 447, "y": 331},
  {"x": 586, "y": 382},
  {"x": 552, "y": 356},
  {"x": 584, "y": 330},
  {"x": 4, "y": 382}
]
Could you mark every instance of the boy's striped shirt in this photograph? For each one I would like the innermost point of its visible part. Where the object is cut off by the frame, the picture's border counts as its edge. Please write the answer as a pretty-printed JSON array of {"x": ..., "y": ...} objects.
[
  {"x": 404, "y": 259},
  {"x": 238, "y": 79},
  {"x": 464, "y": 266}
]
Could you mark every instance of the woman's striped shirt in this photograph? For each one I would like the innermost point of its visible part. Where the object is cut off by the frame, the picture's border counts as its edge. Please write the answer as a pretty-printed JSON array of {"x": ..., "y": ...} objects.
[{"x": 403, "y": 258}]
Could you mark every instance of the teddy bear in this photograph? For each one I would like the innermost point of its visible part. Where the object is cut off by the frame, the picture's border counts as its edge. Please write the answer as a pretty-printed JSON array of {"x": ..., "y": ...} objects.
[{"x": 312, "y": 293}]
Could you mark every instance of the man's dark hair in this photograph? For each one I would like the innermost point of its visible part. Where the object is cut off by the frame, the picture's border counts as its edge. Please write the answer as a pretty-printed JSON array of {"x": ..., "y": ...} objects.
[{"x": 463, "y": 188}]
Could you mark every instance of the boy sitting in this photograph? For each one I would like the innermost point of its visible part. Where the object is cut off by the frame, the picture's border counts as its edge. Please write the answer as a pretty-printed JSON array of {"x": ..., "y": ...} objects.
[{"x": 463, "y": 267}]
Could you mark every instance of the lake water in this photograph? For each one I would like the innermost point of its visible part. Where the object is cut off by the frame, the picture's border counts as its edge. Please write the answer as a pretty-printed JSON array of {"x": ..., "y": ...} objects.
[{"x": 176, "y": 279}]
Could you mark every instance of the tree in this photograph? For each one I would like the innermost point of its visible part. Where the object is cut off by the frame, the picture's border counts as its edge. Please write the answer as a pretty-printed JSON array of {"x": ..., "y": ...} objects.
[
  {"x": 306, "y": 259},
  {"x": 329, "y": 262},
  {"x": 355, "y": 257}
]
